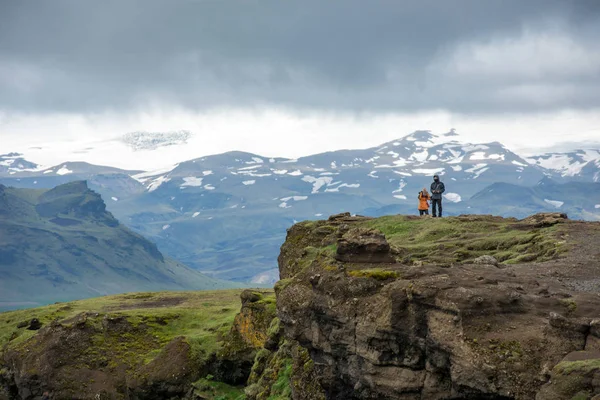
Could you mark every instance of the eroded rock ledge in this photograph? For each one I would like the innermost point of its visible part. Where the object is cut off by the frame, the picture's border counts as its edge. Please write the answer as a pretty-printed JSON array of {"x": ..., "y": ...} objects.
[{"x": 386, "y": 321}]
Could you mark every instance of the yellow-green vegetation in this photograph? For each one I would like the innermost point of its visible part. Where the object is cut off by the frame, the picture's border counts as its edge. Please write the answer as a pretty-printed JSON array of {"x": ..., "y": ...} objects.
[
  {"x": 312, "y": 254},
  {"x": 209, "y": 389},
  {"x": 282, "y": 389},
  {"x": 582, "y": 396},
  {"x": 579, "y": 367},
  {"x": 375, "y": 273},
  {"x": 570, "y": 305},
  {"x": 456, "y": 239},
  {"x": 153, "y": 320},
  {"x": 270, "y": 378},
  {"x": 574, "y": 378}
]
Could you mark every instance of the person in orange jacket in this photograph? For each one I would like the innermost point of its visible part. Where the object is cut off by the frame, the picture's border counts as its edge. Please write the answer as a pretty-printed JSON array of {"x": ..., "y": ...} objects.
[{"x": 424, "y": 198}]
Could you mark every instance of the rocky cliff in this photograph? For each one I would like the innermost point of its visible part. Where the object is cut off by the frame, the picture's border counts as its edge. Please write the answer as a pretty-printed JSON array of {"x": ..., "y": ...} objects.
[
  {"x": 473, "y": 307},
  {"x": 178, "y": 345},
  {"x": 470, "y": 307}
]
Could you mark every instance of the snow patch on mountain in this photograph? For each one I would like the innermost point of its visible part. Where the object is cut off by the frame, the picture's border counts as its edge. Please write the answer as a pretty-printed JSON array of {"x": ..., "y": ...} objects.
[
  {"x": 247, "y": 183},
  {"x": 400, "y": 196},
  {"x": 191, "y": 181},
  {"x": 419, "y": 156},
  {"x": 480, "y": 155},
  {"x": 429, "y": 171},
  {"x": 194, "y": 215},
  {"x": 209, "y": 187},
  {"x": 318, "y": 183},
  {"x": 453, "y": 197},
  {"x": 155, "y": 184},
  {"x": 555, "y": 203},
  {"x": 295, "y": 173},
  {"x": 474, "y": 147},
  {"x": 401, "y": 186},
  {"x": 348, "y": 185},
  {"x": 295, "y": 198},
  {"x": 402, "y": 173},
  {"x": 64, "y": 171},
  {"x": 256, "y": 160},
  {"x": 145, "y": 176}
]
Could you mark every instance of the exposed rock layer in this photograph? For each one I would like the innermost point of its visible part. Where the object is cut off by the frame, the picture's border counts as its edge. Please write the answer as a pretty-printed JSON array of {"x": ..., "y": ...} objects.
[{"x": 464, "y": 331}]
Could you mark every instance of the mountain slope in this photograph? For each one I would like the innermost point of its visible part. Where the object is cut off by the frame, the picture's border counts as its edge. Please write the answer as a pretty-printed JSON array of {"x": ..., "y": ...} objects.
[
  {"x": 62, "y": 244},
  {"x": 578, "y": 199},
  {"x": 576, "y": 165},
  {"x": 226, "y": 214}
]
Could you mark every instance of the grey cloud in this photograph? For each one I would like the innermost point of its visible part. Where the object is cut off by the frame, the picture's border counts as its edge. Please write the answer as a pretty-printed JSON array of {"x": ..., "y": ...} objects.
[{"x": 87, "y": 56}]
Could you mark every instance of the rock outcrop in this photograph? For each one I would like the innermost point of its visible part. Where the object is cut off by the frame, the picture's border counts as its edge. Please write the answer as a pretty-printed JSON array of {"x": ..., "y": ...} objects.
[{"x": 465, "y": 329}]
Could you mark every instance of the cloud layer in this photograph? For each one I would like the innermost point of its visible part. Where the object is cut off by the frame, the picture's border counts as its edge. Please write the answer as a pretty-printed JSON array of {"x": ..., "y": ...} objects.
[{"x": 463, "y": 56}]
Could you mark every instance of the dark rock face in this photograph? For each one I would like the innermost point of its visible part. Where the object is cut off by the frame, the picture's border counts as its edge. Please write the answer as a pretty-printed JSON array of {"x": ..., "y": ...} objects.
[
  {"x": 471, "y": 331},
  {"x": 63, "y": 358},
  {"x": 364, "y": 246},
  {"x": 247, "y": 336}
]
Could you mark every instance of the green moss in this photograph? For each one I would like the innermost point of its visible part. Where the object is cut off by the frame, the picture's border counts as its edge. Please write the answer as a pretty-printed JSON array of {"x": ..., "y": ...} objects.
[
  {"x": 579, "y": 367},
  {"x": 202, "y": 318},
  {"x": 206, "y": 388},
  {"x": 274, "y": 327},
  {"x": 582, "y": 396},
  {"x": 456, "y": 239},
  {"x": 375, "y": 273},
  {"x": 282, "y": 388},
  {"x": 282, "y": 284}
]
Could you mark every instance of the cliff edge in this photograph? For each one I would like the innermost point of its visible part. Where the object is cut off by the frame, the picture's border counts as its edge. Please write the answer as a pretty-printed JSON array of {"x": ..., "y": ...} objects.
[{"x": 469, "y": 307}]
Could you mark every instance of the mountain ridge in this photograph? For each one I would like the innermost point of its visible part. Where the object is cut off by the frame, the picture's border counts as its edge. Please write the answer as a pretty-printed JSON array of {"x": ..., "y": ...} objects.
[
  {"x": 62, "y": 244},
  {"x": 226, "y": 214}
]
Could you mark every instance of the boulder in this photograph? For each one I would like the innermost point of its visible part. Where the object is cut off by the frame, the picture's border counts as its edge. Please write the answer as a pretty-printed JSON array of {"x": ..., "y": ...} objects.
[
  {"x": 545, "y": 219},
  {"x": 577, "y": 376},
  {"x": 361, "y": 245},
  {"x": 486, "y": 260}
]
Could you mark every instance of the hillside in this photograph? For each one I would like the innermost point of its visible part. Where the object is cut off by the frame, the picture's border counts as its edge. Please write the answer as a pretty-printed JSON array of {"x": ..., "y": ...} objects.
[
  {"x": 392, "y": 308},
  {"x": 581, "y": 200},
  {"x": 145, "y": 345},
  {"x": 62, "y": 244}
]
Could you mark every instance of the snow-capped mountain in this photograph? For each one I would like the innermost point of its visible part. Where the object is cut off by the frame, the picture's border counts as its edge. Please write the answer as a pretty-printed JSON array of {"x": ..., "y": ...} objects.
[
  {"x": 576, "y": 165},
  {"x": 226, "y": 214},
  {"x": 13, "y": 163},
  {"x": 384, "y": 172}
]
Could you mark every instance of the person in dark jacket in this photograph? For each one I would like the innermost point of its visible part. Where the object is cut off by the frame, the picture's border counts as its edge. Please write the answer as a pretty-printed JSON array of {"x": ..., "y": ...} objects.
[{"x": 437, "y": 188}]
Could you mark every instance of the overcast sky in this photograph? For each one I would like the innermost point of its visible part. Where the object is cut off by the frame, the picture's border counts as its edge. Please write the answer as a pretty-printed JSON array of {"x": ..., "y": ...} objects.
[{"x": 249, "y": 75}]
